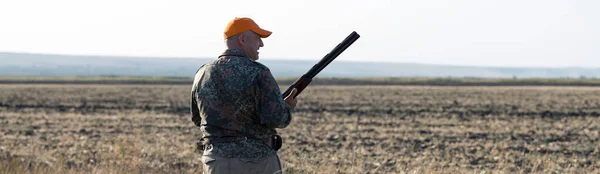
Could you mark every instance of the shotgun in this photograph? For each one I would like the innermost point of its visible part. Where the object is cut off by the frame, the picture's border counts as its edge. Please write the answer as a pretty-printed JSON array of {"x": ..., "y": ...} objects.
[{"x": 305, "y": 79}]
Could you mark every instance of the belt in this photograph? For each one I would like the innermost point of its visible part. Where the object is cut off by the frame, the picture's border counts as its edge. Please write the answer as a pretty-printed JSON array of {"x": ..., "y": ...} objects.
[
  {"x": 274, "y": 142},
  {"x": 224, "y": 139}
]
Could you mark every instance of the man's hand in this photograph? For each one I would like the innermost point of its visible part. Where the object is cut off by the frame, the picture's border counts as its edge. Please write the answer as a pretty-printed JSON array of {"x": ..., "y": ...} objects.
[{"x": 290, "y": 100}]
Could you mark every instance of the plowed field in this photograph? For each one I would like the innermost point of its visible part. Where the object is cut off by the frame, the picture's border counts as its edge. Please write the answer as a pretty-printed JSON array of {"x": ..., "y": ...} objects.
[{"x": 335, "y": 129}]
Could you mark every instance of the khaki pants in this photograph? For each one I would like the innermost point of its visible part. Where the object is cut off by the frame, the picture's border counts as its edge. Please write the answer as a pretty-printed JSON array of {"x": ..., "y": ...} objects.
[{"x": 218, "y": 164}]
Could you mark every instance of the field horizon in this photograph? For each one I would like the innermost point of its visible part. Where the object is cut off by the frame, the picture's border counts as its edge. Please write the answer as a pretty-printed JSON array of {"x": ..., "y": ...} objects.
[
  {"x": 32, "y": 64},
  {"x": 419, "y": 81}
]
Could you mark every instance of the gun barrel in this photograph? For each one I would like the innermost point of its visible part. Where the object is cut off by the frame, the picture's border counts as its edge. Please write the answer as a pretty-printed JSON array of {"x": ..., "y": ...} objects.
[
  {"x": 305, "y": 79},
  {"x": 341, "y": 47}
]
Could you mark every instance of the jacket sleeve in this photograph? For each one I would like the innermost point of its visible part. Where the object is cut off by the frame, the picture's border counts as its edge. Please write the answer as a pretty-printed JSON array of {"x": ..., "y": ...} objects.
[
  {"x": 273, "y": 111},
  {"x": 195, "y": 112},
  {"x": 196, "y": 118}
]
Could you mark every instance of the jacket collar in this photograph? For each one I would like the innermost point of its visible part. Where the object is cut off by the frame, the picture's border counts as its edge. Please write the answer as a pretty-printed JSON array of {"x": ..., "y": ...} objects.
[{"x": 234, "y": 52}]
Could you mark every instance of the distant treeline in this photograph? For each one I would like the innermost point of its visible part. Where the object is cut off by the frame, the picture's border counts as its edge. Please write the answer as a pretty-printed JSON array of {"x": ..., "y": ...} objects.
[
  {"x": 450, "y": 81},
  {"x": 318, "y": 81},
  {"x": 455, "y": 81},
  {"x": 95, "y": 80}
]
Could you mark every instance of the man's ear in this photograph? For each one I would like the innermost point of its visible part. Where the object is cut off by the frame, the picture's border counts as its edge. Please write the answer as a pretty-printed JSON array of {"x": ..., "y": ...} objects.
[{"x": 242, "y": 39}]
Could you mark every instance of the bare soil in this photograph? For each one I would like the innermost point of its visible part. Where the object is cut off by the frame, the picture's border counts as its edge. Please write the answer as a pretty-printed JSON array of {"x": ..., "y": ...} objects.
[{"x": 335, "y": 129}]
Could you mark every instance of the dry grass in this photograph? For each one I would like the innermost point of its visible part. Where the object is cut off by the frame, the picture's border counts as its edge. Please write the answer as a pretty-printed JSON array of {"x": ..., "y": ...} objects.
[{"x": 336, "y": 129}]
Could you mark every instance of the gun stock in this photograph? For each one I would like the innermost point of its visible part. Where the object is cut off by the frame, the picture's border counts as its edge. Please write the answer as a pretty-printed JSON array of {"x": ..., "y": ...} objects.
[{"x": 301, "y": 83}]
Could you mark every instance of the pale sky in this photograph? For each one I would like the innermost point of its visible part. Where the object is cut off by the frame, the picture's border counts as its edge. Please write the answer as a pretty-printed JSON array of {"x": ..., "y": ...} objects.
[{"x": 517, "y": 33}]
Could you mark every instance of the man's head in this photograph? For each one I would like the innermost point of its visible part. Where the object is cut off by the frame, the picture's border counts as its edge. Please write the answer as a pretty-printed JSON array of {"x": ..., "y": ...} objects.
[{"x": 245, "y": 34}]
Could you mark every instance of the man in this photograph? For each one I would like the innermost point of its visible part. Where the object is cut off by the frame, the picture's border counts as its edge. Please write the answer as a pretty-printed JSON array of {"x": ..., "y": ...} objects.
[{"x": 237, "y": 104}]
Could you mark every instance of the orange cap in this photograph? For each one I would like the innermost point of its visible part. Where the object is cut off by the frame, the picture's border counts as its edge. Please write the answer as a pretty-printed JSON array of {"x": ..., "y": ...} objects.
[{"x": 242, "y": 24}]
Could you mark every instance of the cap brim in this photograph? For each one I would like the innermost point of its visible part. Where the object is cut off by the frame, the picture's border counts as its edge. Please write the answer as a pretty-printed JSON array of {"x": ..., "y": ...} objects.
[{"x": 262, "y": 32}]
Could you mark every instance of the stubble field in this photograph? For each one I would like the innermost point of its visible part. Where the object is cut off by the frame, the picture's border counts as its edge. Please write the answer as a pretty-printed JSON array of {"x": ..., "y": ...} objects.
[{"x": 335, "y": 129}]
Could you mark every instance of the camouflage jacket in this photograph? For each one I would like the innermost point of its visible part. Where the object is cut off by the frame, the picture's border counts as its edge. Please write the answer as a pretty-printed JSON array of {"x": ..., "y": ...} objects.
[{"x": 236, "y": 96}]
